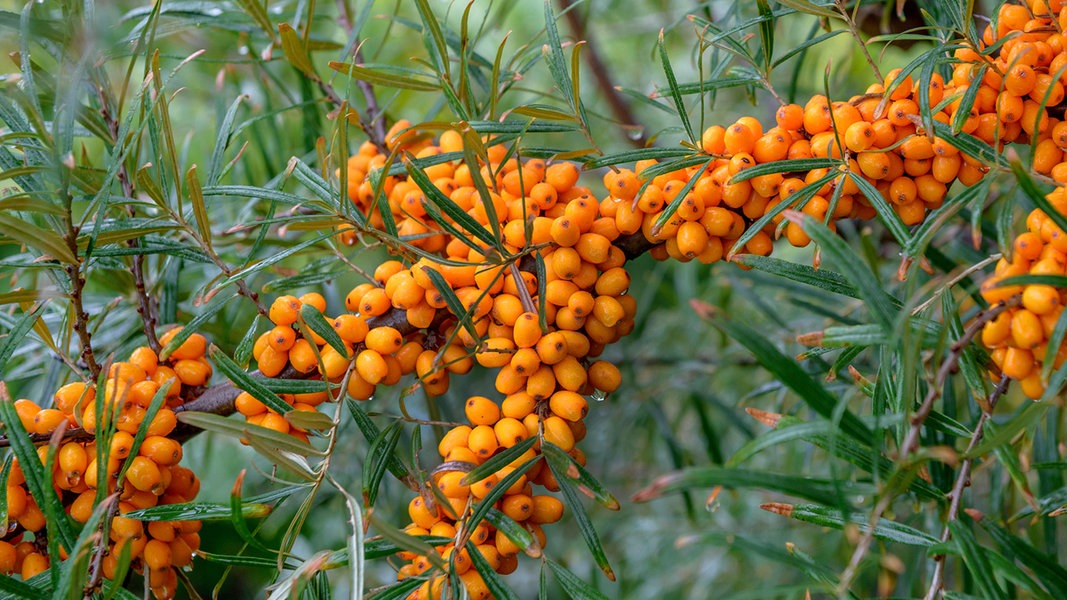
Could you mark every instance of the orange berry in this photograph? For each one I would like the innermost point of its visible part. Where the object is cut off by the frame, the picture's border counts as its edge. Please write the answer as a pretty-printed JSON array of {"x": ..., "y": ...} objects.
[{"x": 285, "y": 310}]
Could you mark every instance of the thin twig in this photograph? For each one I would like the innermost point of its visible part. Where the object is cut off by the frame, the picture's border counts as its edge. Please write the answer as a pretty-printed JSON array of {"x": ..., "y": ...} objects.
[
  {"x": 962, "y": 481},
  {"x": 911, "y": 441},
  {"x": 840, "y": 5},
  {"x": 618, "y": 104},
  {"x": 146, "y": 305}
]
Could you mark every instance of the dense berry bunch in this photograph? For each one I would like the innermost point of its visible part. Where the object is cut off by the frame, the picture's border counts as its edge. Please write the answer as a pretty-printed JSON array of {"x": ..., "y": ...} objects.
[
  {"x": 151, "y": 476},
  {"x": 1019, "y": 336}
]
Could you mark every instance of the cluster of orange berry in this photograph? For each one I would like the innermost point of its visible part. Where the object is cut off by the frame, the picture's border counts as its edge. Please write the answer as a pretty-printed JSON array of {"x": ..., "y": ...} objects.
[
  {"x": 150, "y": 477},
  {"x": 1018, "y": 336}
]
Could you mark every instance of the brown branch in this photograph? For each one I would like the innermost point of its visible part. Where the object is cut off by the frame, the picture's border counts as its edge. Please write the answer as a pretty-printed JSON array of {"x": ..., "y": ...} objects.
[
  {"x": 963, "y": 479},
  {"x": 146, "y": 306},
  {"x": 618, "y": 104},
  {"x": 911, "y": 441}
]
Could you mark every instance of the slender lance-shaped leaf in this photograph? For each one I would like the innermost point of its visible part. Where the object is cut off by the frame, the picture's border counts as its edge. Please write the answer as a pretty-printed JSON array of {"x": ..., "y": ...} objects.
[
  {"x": 492, "y": 579},
  {"x": 381, "y": 447},
  {"x": 787, "y": 371},
  {"x": 399, "y": 591},
  {"x": 485, "y": 505},
  {"x": 568, "y": 486},
  {"x": 976, "y": 559},
  {"x": 824, "y": 516},
  {"x": 821, "y": 278},
  {"x": 196, "y": 195},
  {"x": 1049, "y": 573},
  {"x": 672, "y": 86},
  {"x": 404, "y": 541},
  {"x": 235, "y": 429},
  {"x": 784, "y": 166},
  {"x": 313, "y": 318},
  {"x": 514, "y": 532},
  {"x": 199, "y": 511},
  {"x": 565, "y": 464},
  {"x": 855, "y": 271},
  {"x": 74, "y": 570},
  {"x": 1026, "y": 182},
  {"x": 455, "y": 306},
  {"x": 17, "y": 334},
  {"x": 574, "y": 586},
  {"x": 553, "y": 54},
  {"x": 450, "y": 208},
  {"x": 823, "y": 491},
  {"x": 379, "y": 77},
  {"x": 886, "y": 214},
  {"x": 245, "y": 382},
  {"x": 294, "y": 50},
  {"x": 370, "y": 432},
  {"x": 498, "y": 461},
  {"x": 45, "y": 241}
]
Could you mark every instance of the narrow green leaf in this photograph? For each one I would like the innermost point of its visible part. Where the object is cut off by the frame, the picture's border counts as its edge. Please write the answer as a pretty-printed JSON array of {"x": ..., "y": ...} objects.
[
  {"x": 312, "y": 317},
  {"x": 493, "y": 580},
  {"x": 375, "y": 464},
  {"x": 568, "y": 487},
  {"x": 856, "y": 271},
  {"x": 38, "y": 481},
  {"x": 370, "y": 432},
  {"x": 786, "y": 166},
  {"x": 17, "y": 333},
  {"x": 404, "y": 541},
  {"x": 498, "y": 461},
  {"x": 199, "y": 511},
  {"x": 378, "y": 77},
  {"x": 486, "y": 504},
  {"x": 564, "y": 465},
  {"x": 196, "y": 195},
  {"x": 294, "y": 50},
  {"x": 886, "y": 214},
  {"x": 514, "y": 532},
  {"x": 235, "y": 429},
  {"x": 450, "y": 208},
  {"x": 824, "y": 516},
  {"x": 455, "y": 306},
  {"x": 246, "y": 382},
  {"x": 576, "y": 587},
  {"x": 28, "y": 234},
  {"x": 976, "y": 558},
  {"x": 672, "y": 86},
  {"x": 821, "y": 490},
  {"x": 789, "y": 372}
]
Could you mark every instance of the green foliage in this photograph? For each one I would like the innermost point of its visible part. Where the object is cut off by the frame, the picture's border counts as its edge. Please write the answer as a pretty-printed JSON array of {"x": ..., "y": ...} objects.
[{"x": 164, "y": 164}]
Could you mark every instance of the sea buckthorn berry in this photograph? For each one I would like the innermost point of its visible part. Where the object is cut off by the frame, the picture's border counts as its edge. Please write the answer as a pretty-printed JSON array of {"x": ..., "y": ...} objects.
[
  {"x": 1041, "y": 299},
  {"x": 285, "y": 310},
  {"x": 527, "y": 330},
  {"x": 384, "y": 340},
  {"x": 33, "y": 564},
  {"x": 193, "y": 373},
  {"x": 72, "y": 460},
  {"x": 556, "y": 431},
  {"x": 162, "y": 450},
  {"x": 495, "y": 352},
  {"x": 281, "y": 338},
  {"x": 604, "y": 376},
  {"x": 144, "y": 474},
  {"x": 510, "y": 431},
  {"x": 371, "y": 366},
  {"x": 163, "y": 423},
  {"x": 546, "y": 509},
  {"x": 569, "y": 405},
  {"x": 47, "y": 420}
]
